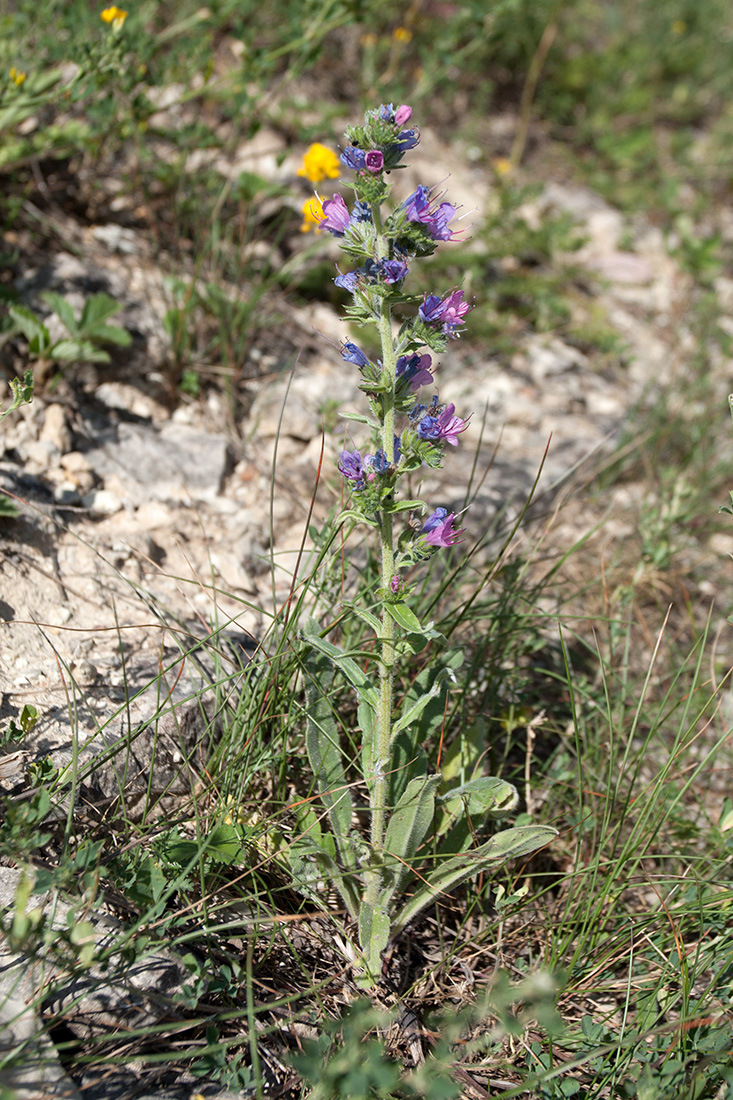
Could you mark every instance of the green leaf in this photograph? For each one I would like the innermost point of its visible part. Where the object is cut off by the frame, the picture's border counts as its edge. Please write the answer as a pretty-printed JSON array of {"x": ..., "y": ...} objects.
[
  {"x": 109, "y": 334},
  {"x": 63, "y": 309},
  {"x": 412, "y": 714},
  {"x": 360, "y": 419},
  {"x": 407, "y": 506},
  {"x": 482, "y": 796},
  {"x": 507, "y": 845},
  {"x": 408, "y": 825},
  {"x": 467, "y": 808},
  {"x": 97, "y": 309},
  {"x": 74, "y": 351},
  {"x": 404, "y": 616},
  {"x": 32, "y": 328},
  {"x": 324, "y": 751},
  {"x": 374, "y": 935}
]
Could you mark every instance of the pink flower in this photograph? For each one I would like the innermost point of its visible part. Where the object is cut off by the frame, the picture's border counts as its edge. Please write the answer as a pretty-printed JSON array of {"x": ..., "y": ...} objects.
[
  {"x": 402, "y": 115},
  {"x": 448, "y": 312},
  {"x": 439, "y": 529},
  {"x": 336, "y": 218},
  {"x": 374, "y": 161}
]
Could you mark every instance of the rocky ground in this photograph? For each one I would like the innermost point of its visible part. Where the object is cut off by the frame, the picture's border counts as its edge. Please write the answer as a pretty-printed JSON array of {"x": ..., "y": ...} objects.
[{"x": 145, "y": 523}]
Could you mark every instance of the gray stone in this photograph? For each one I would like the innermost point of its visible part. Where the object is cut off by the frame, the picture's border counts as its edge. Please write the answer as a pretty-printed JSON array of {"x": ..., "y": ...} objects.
[{"x": 177, "y": 463}]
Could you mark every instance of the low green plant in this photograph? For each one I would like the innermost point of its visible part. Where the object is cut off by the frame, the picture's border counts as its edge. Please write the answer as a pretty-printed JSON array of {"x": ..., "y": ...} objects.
[
  {"x": 85, "y": 333},
  {"x": 13, "y": 733},
  {"x": 422, "y": 832}
]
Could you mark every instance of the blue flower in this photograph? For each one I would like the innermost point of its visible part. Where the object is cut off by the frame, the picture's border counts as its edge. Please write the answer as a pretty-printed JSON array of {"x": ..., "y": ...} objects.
[
  {"x": 439, "y": 529},
  {"x": 353, "y": 354},
  {"x": 448, "y": 312},
  {"x": 336, "y": 216},
  {"x": 349, "y": 281},
  {"x": 408, "y": 139},
  {"x": 353, "y": 158},
  {"x": 361, "y": 212},
  {"x": 378, "y": 462}
]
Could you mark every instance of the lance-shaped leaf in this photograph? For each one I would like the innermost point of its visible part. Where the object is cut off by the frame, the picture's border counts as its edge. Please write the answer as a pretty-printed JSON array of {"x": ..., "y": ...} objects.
[
  {"x": 519, "y": 841},
  {"x": 466, "y": 809},
  {"x": 404, "y": 616},
  {"x": 412, "y": 713},
  {"x": 408, "y": 825},
  {"x": 324, "y": 752},
  {"x": 374, "y": 936},
  {"x": 406, "y": 761}
]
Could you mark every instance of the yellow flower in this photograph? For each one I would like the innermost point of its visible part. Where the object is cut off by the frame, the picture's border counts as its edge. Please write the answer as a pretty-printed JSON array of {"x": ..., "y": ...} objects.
[
  {"x": 115, "y": 16},
  {"x": 401, "y": 34},
  {"x": 679, "y": 27},
  {"x": 312, "y": 215},
  {"x": 502, "y": 166},
  {"x": 319, "y": 163},
  {"x": 16, "y": 76}
]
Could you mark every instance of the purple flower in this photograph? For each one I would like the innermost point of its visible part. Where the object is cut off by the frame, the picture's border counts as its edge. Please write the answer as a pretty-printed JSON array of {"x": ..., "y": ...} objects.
[
  {"x": 374, "y": 161},
  {"x": 417, "y": 205},
  {"x": 353, "y": 354},
  {"x": 368, "y": 272},
  {"x": 394, "y": 271},
  {"x": 352, "y": 468},
  {"x": 396, "y": 585},
  {"x": 402, "y": 115},
  {"x": 439, "y": 529},
  {"x": 445, "y": 426},
  {"x": 337, "y": 218},
  {"x": 415, "y": 370},
  {"x": 386, "y": 112},
  {"x": 448, "y": 312},
  {"x": 435, "y": 219},
  {"x": 353, "y": 158}
]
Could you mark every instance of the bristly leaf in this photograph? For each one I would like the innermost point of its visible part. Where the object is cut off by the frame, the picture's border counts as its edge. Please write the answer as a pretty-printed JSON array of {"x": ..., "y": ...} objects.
[
  {"x": 324, "y": 751},
  {"x": 520, "y": 841},
  {"x": 367, "y": 695},
  {"x": 374, "y": 935},
  {"x": 466, "y": 809},
  {"x": 408, "y": 826},
  {"x": 404, "y": 616}
]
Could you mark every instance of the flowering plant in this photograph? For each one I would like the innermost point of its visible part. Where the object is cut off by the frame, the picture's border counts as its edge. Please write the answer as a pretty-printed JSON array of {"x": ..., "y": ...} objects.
[{"x": 419, "y": 839}]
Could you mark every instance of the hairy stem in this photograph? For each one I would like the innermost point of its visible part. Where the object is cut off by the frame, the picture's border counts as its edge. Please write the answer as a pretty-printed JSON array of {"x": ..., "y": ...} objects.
[{"x": 387, "y": 655}]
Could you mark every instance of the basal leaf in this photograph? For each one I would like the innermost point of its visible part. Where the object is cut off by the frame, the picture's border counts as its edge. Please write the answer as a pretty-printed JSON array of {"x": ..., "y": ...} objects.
[
  {"x": 408, "y": 826},
  {"x": 324, "y": 751},
  {"x": 507, "y": 845}
]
